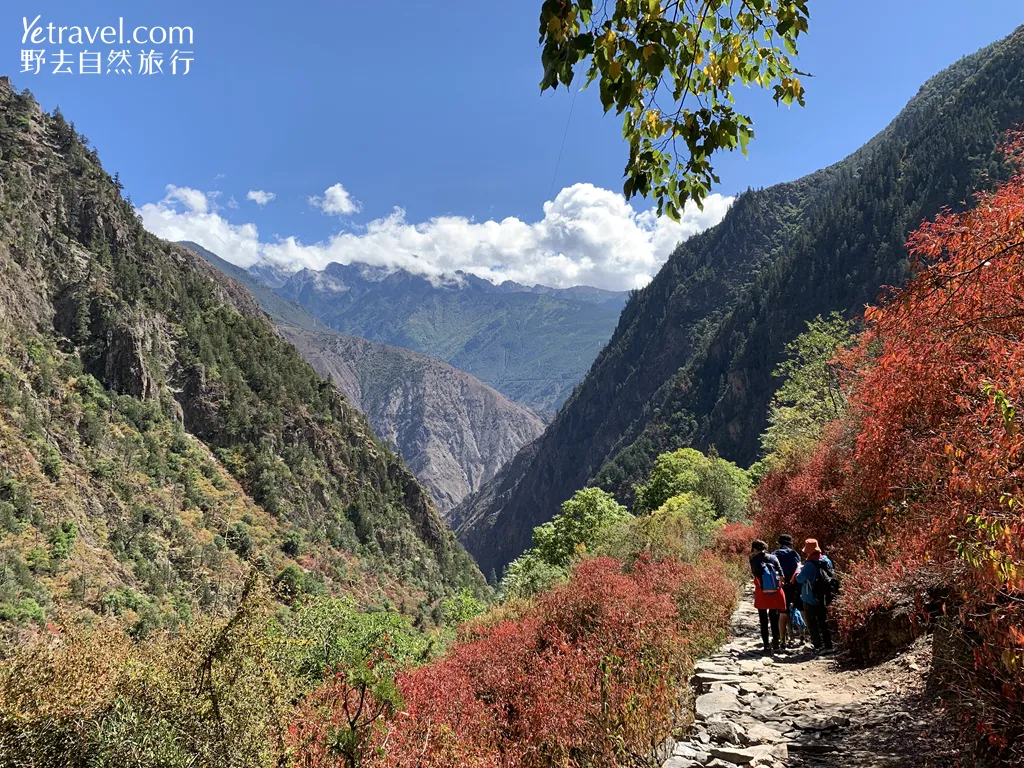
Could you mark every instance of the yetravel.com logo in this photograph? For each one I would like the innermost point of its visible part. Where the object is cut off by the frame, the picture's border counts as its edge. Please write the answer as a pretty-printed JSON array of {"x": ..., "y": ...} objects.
[{"x": 49, "y": 48}]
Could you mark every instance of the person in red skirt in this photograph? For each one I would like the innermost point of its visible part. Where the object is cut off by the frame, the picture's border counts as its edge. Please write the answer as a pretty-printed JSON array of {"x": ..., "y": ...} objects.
[{"x": 769, "y": 597}]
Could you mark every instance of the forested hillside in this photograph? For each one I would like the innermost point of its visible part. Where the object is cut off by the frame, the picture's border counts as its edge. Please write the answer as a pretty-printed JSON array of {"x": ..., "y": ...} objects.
[
  {"x": 531, "y": 344},
  {"x": 691, "y": 360},
  {"x": 158, "y": 439}
]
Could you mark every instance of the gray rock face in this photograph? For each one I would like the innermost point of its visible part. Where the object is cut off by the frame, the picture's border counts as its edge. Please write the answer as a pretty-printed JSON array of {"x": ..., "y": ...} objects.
[
  {"x": 453, "y": 431},
  {"x": 759, "y": 734},
  {"x": 682, "y": 762}
]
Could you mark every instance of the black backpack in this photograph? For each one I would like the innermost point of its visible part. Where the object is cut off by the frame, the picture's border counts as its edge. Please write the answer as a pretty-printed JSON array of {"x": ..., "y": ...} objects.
[{"x": 826, "y": 585}]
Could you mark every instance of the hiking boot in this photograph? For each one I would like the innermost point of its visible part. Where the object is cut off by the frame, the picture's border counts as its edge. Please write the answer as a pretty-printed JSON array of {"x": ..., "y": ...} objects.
[{"x": 828, "y": 651}]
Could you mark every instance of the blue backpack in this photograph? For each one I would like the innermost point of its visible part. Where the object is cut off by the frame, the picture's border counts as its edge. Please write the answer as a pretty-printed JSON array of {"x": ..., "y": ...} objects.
[{"x": 769, "y": 578}]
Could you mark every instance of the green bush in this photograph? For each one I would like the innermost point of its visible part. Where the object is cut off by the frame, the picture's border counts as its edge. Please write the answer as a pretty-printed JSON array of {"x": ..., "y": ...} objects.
[
  {"x": 22, "y": 611},
  {"x": 240, "y": 540},
  {"x": 50, "y": 462},
  {"x": 460, "y": 608},
  {"x": 291, "y": 583},
  {"x": 579, "y": 524},
  {"x": 62, "y": 540},
  {"x": 687, "y": 470},
  {"x": 529, "y": 575},
  {"x": 292, "y": 544}
]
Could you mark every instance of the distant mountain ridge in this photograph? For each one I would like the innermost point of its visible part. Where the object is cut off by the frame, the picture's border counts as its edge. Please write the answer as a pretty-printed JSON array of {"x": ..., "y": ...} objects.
[
  {"x": 533, "y": 344},
  {"x": 274, "y": 276},
  {"x": 453, "y": 431},
  {"x": 691, "y": 361}
]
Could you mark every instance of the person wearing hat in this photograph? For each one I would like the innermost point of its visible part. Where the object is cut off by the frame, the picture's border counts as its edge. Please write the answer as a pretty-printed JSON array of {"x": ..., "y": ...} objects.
[
  {"x": 769, "y": 602},
  {"x": 815, "y": 612},
  {"x": 790, "y": 560}
]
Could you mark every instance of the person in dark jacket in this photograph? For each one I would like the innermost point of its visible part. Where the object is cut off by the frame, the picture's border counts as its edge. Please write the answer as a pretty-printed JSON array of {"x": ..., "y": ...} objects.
[
  {"x": 790, "y": 560},
  {"x": 815, "y": 613},
  {"x": 768, "y": 604}
]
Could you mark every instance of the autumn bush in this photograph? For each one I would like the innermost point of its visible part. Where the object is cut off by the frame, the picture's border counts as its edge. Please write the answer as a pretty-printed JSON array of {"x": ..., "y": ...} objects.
[
  {"x": 732, "y": 542},
  {"x": 97, "y": 697},
  {"x": 223, "y": 692},
  {"x": 918, "y": 489},
  {"x": 592, "y": 673}
]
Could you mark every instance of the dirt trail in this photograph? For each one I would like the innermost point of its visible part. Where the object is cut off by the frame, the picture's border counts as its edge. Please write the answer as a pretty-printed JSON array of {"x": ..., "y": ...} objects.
[{"x": 800, "y": 710}]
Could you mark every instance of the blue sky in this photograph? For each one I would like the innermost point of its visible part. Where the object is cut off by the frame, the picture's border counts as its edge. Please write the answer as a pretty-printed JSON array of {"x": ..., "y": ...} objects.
[{"x": 434, "y": 108}]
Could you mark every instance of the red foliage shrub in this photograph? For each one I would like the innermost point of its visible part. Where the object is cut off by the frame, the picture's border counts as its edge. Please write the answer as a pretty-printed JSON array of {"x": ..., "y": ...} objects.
[
  {"x": 705, "y": 601},
  {"x": 337, "y": 724},
  {"x": 591, "y": 674},
  {"x": 733, "y": 541},
  {"x": 815, "y": 498}
]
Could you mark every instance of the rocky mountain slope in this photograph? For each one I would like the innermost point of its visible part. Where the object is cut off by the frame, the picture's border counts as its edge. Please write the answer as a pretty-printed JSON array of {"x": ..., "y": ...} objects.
[
  {"x": 531, "y": 344},
  {"x": 453, "y": 431},
  {"x": 692, "y": 358},
  {"x": 158, "y": 439}
]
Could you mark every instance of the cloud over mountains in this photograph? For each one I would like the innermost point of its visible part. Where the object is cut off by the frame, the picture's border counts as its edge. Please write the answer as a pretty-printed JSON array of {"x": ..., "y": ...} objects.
[{"x": 587, "y": 236}]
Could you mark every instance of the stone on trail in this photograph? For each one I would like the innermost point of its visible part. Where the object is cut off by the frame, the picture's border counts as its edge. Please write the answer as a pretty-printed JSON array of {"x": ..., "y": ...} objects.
[
  {"x": 733, "y": 689},
  {"x": 716, "y": 703},
  {"x": 724, "y": 732},
  {"x": 810, "y": 745},
  {"x": 761, "y": 734},
  {"x": 748, "y": 667},
  {"x": 760, "y": 755},
  {"x": 681, "y": 762},
  {"x": 714, "y": 666},
  {"x": 710, "y": 678},
  {"x": 688, "y": 749}
]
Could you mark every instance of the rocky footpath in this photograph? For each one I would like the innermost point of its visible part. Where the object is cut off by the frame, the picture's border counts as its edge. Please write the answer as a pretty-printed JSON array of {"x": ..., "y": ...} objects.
[{"x": 796, "y": 709}]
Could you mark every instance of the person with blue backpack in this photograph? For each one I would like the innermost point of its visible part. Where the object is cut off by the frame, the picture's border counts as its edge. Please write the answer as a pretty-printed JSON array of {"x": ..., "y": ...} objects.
[
  {"x": 769, "y": 597},
  {"x": 790, "y": 560},
  {"x": 819, "y": 588}
]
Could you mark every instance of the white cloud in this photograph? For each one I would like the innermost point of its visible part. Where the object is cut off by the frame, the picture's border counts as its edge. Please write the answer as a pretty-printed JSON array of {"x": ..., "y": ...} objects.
[
  {"x": 259, "y": 197},
  {"x": 587, "y": 236},
  {"x": 336, "y": 201},
  {"x": 184, "y": 214},
  {"x": 193, "y": 200}
]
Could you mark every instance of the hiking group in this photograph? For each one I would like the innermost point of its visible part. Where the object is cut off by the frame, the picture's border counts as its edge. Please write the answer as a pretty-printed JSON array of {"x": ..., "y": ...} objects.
[{"x": 792, "y": 591}]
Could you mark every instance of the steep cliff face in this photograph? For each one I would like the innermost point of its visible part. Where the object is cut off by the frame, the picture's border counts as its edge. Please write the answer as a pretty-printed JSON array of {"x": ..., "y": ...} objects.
[
  {"x": 453, "y": 431},
  {"x": 158, "y": 435},
  {"x": 691, "y": 360}
]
